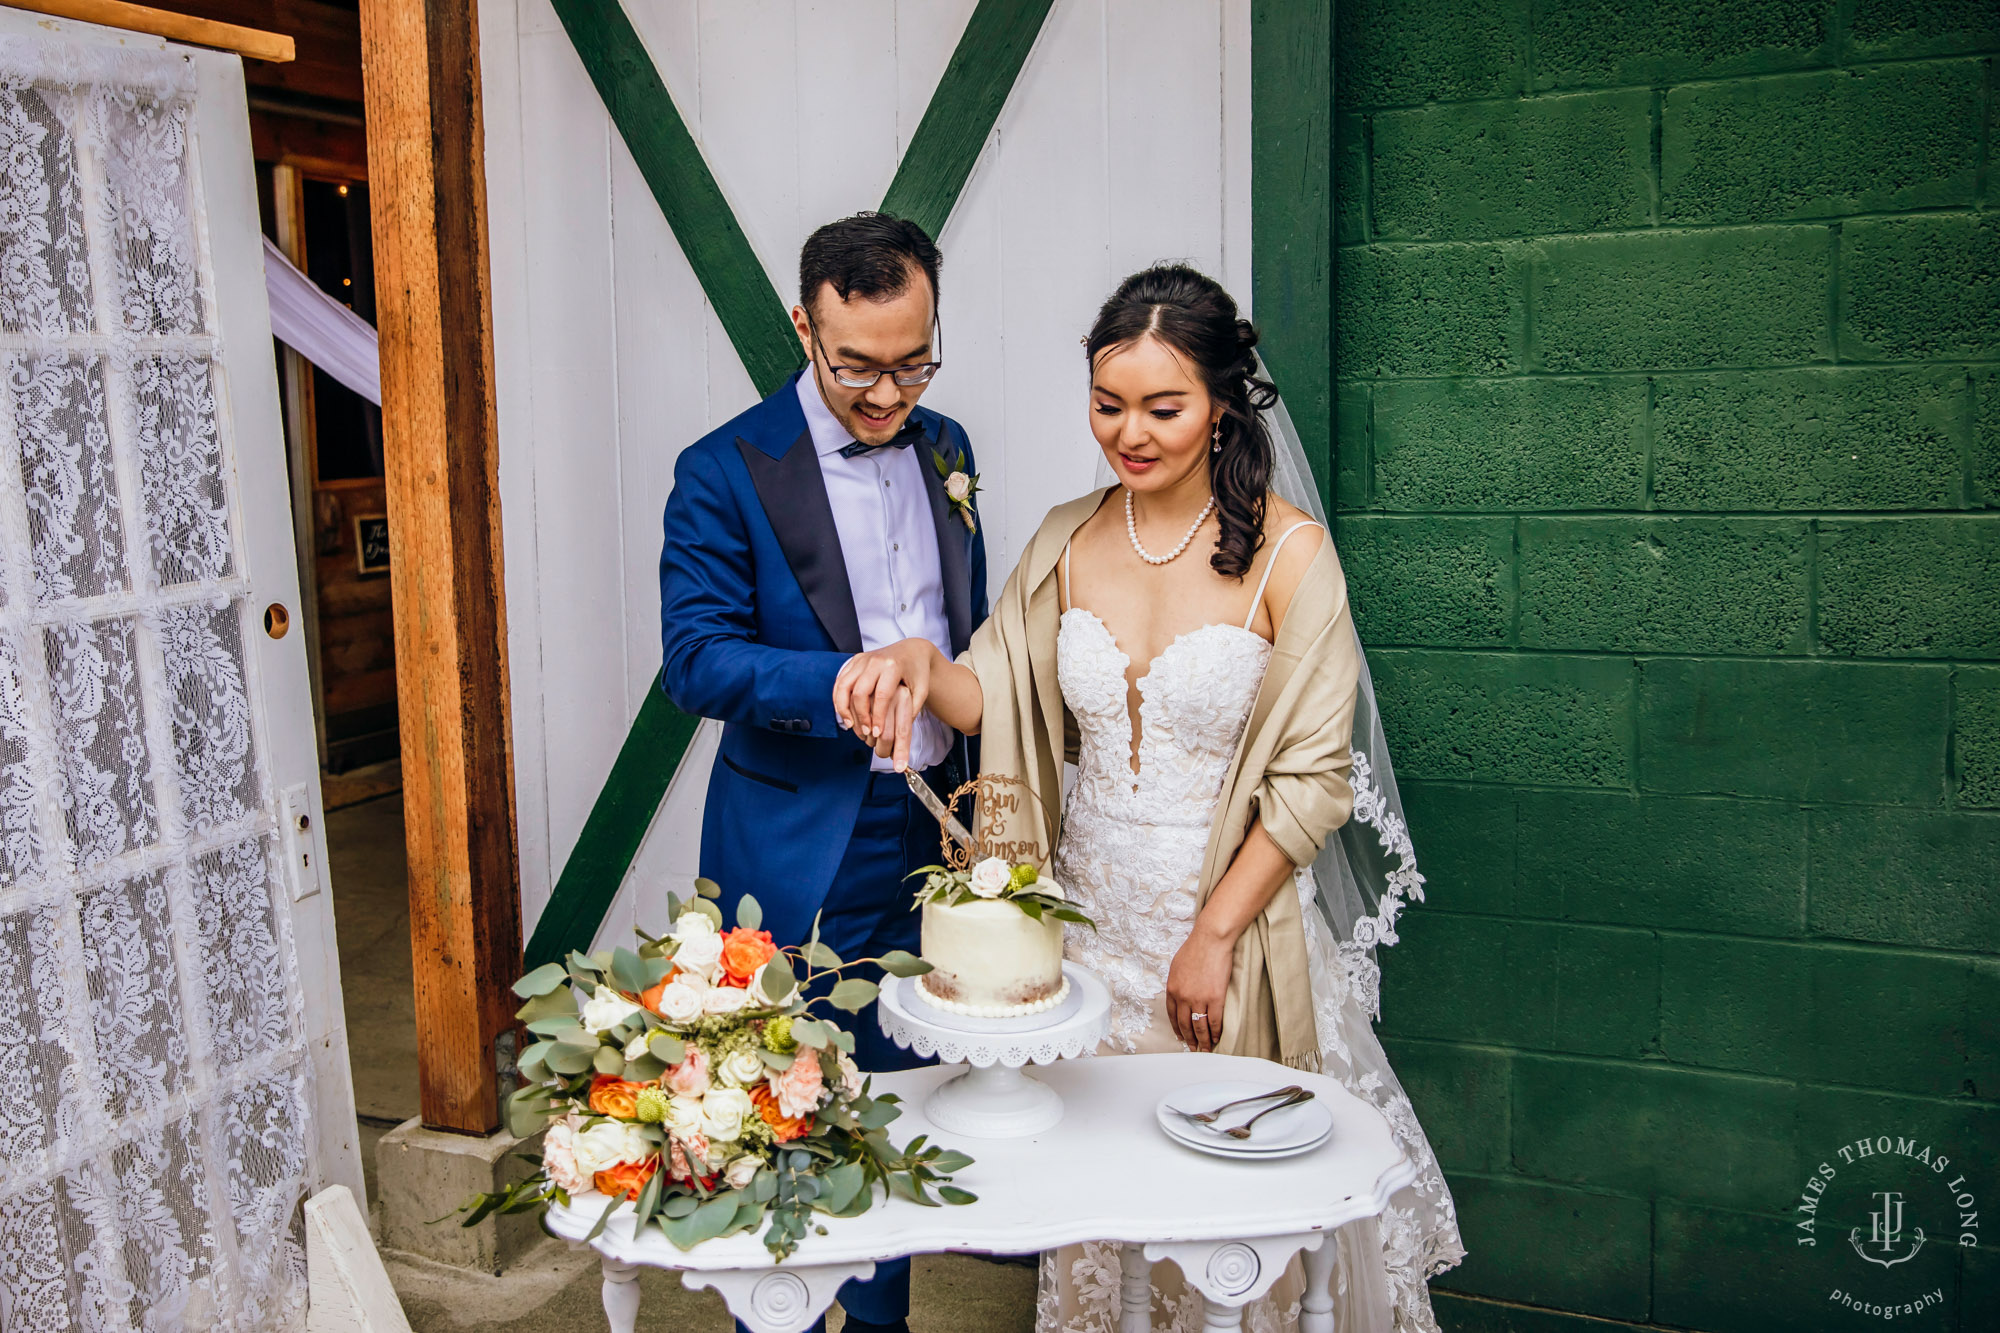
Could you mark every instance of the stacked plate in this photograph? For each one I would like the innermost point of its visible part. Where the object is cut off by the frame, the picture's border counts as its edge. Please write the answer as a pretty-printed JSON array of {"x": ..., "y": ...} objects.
[{"x": 1284, "y": 1133}]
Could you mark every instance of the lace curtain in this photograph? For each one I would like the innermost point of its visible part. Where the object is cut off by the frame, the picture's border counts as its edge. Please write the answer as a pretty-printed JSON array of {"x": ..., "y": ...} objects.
[{"x": 154, "y": 1096}]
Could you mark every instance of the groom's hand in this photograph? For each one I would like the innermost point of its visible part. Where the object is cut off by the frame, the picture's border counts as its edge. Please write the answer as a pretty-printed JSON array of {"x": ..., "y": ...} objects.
[{"x": 866, "y": 693}]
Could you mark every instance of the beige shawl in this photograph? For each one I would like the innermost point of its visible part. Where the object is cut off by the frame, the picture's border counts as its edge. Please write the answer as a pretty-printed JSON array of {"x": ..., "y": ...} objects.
[{"x": 1290, "y": 768}]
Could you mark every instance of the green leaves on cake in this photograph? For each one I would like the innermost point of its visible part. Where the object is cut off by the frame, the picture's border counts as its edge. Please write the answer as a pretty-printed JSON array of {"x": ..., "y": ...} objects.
[{"x": 994, "y": 880}]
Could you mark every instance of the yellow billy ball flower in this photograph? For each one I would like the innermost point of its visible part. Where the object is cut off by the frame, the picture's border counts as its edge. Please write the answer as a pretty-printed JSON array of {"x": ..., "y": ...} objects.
[
  {"x": 652, "y": 1105},
  {"x": 778, "y": 1035}
]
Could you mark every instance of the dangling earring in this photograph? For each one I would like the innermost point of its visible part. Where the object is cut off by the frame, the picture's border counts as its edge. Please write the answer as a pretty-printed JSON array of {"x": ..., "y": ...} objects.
[{"x": 1215, "y": 437}]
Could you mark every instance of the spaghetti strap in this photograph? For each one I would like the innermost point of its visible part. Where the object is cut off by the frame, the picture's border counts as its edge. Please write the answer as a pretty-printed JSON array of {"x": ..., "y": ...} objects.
[
  {"x": 1067, "y": 602},
  {"x": 1262, "y": 583}
]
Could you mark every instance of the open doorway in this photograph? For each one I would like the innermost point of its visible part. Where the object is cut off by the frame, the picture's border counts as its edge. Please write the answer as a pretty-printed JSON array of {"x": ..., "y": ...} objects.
[{"x": 309, "y": 138}]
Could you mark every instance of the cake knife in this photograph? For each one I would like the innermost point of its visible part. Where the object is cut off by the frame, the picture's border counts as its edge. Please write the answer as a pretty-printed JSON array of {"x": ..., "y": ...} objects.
[{"x": 929, "y": 800}]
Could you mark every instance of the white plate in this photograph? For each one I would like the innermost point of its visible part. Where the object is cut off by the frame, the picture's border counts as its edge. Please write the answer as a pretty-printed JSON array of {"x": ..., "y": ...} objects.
[
  {"x": 1294, "y": 1129},
  {"x": 1060, "y": 1012}
]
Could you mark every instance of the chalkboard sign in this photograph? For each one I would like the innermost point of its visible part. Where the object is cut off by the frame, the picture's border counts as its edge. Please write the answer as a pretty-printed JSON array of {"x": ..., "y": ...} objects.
[{"x": 371, "y": 543}]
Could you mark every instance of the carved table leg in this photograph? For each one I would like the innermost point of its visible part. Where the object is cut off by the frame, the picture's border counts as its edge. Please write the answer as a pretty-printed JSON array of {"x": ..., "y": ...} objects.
[
  {"x": 621, "y": 1295},
  {"x": 777, "y": 1300},
  {"x": 1135, "y": 1291},
  {"x": 1316, "y": 1307},
  {"x": 1219, "y": 1318}
]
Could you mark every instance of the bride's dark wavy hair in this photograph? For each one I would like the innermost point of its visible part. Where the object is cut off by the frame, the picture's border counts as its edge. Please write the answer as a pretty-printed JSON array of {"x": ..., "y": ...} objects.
[{"x": 1191, "y": 313}]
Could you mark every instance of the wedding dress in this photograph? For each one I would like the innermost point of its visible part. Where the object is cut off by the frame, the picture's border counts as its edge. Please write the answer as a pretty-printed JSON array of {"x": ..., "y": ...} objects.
[{"x": 1130, "y": 853}]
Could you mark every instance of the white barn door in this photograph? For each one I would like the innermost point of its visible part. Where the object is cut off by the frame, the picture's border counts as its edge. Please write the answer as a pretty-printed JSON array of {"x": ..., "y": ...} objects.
[{"x": 173, "y": 1065}]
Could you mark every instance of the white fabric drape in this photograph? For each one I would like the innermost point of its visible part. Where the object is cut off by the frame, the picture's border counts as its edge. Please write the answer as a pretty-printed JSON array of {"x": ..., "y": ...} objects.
[{"x": 321, "y": 329}]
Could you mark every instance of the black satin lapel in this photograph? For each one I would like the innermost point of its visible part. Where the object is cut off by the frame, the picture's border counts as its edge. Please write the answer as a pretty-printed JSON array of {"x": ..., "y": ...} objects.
[
  {"x": 794, "y": 498},
  {"x": 954, "y": 557}
]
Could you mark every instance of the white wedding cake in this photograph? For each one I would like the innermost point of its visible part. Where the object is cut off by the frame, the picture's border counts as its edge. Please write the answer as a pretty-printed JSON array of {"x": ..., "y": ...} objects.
[{"x": 990, "y": 959}]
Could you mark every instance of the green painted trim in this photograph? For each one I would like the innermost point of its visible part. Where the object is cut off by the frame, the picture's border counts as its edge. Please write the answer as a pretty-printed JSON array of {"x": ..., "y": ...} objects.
[
  {"x": 968, "y": 100},
  {"x": 617, "y": 824},
  {"x": 1291, "y": 213},
  {"x": 756, "y": 318},
  {"x": 928, "y": 182}
]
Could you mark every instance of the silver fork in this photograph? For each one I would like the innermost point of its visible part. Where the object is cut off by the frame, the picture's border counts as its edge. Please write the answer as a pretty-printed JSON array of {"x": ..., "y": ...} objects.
[
  {"x": 1242, "y": 1131},
  {"x": 1209, "y": 1117}
]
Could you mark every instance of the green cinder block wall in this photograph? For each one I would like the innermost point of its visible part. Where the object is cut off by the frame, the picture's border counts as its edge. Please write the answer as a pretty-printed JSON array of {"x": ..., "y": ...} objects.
[{"x": 1668, "y": 487}]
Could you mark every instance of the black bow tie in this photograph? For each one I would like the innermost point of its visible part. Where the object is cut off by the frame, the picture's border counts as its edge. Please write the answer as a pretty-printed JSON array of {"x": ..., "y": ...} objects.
[{"x": 903, "y": 439}]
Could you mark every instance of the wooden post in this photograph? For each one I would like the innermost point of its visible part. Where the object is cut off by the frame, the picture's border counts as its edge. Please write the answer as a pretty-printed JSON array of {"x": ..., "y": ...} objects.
[{"x": 420, "y": 61}]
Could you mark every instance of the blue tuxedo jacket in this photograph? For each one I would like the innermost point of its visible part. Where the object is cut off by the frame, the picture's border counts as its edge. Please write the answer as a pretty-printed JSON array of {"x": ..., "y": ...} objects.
[{"x": 756, "y": 617}]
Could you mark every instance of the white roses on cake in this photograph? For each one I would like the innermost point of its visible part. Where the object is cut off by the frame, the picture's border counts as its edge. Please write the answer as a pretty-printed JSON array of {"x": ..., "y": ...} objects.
[{"x": 991, "y": 878}]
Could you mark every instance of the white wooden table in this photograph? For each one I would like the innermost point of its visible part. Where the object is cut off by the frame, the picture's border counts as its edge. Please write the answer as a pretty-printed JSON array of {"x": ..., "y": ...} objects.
[{"x": 1105, "y": 1172}]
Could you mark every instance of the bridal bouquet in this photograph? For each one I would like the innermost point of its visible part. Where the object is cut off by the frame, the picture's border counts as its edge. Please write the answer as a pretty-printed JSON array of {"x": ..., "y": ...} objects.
[
  {"x": 996, "y": 880},
  {"x": 696, "y": 1080}
]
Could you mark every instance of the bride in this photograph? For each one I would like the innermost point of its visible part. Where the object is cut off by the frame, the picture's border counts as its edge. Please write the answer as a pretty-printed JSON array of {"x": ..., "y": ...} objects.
[{"x": 1184, "y": 637}]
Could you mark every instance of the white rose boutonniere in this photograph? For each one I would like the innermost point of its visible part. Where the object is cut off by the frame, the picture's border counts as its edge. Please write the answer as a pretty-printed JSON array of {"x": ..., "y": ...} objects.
[
  {"x": 991, "y": 877},
  {"x": 959, "y": 486}
]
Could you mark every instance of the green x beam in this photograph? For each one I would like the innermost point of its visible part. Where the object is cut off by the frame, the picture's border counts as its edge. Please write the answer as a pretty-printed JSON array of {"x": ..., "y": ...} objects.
[{"x": 927, "y": 185}]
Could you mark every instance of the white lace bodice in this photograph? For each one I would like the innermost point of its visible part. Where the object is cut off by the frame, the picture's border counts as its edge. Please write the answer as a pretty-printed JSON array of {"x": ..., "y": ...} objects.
[{"x": 1132, "y": 842}]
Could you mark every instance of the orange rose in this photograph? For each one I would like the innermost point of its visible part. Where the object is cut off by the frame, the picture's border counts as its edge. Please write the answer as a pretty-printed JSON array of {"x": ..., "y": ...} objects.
[
  {"x": 784, "y": 1127},
  {"x": 625, "y": 1179},
  {"x": 615, "y": 1097},
  {"x": 744, "y": 951}
]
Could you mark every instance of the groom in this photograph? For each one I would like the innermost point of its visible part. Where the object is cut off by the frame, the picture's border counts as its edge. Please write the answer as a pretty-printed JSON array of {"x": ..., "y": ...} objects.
[{"x": 810, "y": 528}]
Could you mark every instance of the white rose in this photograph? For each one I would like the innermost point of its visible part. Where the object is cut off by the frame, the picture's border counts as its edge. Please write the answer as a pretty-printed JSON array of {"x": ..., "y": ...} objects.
[
  {"x": 607, "y": 1143},
  {"x": 637, "y": 1046},
  {"x": 741, "y": 1068},
  {"x": 722, "y": 1113},
  {"x": 700, "y": 954},
  {"x": 958, "y": 486},
  {"x": 850, "y": 1075},
  {"x": 691, "y": 924},
  {"x": 679, "y": 1002},
  {"x": 606, "y": 1010},
  {"x": 724, "y": 1000},
  {"x": 742, "y": 1171},
  {"x": 992, "y": 877},
  {"x": 684, "y": 1113}
]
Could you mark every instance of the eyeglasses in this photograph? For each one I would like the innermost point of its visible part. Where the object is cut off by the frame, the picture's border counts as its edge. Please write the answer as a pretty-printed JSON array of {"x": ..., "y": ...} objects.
[{"x": 860, "y": 377}]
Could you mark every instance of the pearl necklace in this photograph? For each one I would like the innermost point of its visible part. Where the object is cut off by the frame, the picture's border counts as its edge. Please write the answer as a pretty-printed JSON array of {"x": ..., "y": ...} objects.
[{"x": 1132, "y": 531}]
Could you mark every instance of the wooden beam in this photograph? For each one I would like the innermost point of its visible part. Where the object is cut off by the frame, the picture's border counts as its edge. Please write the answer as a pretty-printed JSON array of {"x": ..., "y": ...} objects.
[
  {"x": 434, "y": 314},
  {"x": 250, "y": 43}
]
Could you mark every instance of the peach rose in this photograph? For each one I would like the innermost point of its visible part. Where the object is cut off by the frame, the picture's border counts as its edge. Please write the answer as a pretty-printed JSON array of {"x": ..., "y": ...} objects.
[
  {"x": 784, "y": 1127},
  {"x": 743, "y": 952},
  {"x": 686, "y": 1153},
  {"x": 689, "y": 1078},
  {"x": 625, "y": 1179},
  {"x": 614, "y": 1096},
  {"x": 798, "y": 1088}
]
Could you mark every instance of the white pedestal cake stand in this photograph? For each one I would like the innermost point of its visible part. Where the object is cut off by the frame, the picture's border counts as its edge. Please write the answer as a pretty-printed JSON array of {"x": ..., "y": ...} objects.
[{"x": 995, "y": 1098}]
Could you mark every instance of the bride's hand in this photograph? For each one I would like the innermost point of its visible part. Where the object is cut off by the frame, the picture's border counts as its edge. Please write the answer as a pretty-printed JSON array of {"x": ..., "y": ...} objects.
[
  {"x": 866, "y": 690},
  {"x": 1197, "y": 983}
]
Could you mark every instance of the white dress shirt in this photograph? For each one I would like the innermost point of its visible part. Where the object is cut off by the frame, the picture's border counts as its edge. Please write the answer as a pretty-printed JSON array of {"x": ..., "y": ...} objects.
[{"x": 888, "y": 539}]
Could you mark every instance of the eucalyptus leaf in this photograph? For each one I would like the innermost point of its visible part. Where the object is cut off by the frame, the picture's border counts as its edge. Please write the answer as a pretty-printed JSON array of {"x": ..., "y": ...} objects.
[
  {"x": 649, "y": 1198},
  {"x": 657, "y": 967},
  {"x": 820, "y": 956},
  {"x": 843, "y": 1039},
  {"x": 680, "y": 1205},
  {"x": 950, "y": 1160},
  {"x": 628, "y": 974},
  {"x": 877, "y": 1114},
  {"x": 669, "y": 1048},
  {"x": 708, "y": 888},
  {"x": 775, "y": 1061},
  {"x": 764, "y": 1185},
  {"x": 608, "y": 1060},
  {"x": 528, "y": 1111},
  {"x": 541, "y": 981},
  {"x": 530, "y": 1066},
  {"x": 713, "y": 1218},
  {"x": 571, "y": 1058},
  {"x": 852, "y": 993},
  {"x": 810, "y": 1032},
  {"x": 644, "y": 1069},
  {"x": 602, "y": 1218},
  {"x": 902, "y": 963},
  {"x": 558, "y": 1003},
  {"x": 709, "y": 910},
  {"x": 842, "y": 1183},
  {"x": 778, "y": 979},
  {"x": 953, "y": 1194},
  {"x": 748, "y": 914},
  {"x": 673, "y": 906},
  {"x": 561, "y": 1026}
]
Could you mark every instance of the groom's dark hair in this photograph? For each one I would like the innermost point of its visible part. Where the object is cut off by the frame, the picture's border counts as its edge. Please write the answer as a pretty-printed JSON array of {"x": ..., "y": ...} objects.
[{"x": 870, "y": 255}]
